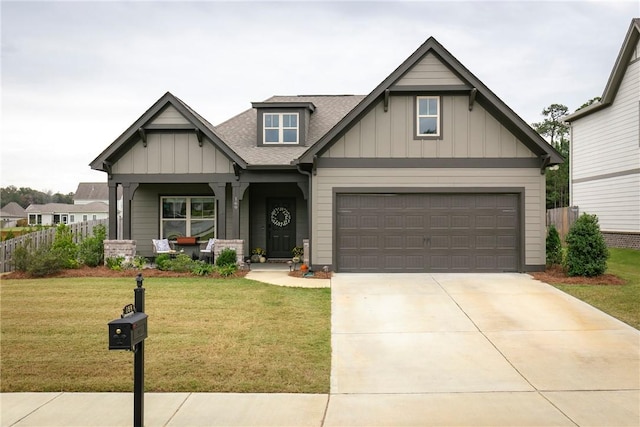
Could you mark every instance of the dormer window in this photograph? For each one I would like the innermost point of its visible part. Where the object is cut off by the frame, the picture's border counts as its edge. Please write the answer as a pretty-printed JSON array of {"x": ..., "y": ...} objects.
[
  {"x": 283, "y": 122},
  {"x": 281, "y": 128}
]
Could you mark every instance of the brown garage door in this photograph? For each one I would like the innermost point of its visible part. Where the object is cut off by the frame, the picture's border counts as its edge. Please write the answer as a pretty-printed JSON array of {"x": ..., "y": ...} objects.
[{"x": 427, "y": 232}]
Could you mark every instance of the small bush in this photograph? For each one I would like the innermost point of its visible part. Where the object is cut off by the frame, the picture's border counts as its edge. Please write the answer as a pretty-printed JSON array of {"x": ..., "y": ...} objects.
[
  {"x": 226, "y": 270},
  {"x": 202, "y": 268},
  {"x": 21, "y": 257},
  {"x": 64, "y": 247},
  {"x": 587, "y": 252},
  {"x": 181, "y": 263},
  {"x": 227, "y": 256},
  {"x": 91, "y": 251},
  {"x": 46, "y": 261},
  {"x": 554, "y": 247},
  {"x": 114, "y": 263},
  {"x": 163, "y": 262}
]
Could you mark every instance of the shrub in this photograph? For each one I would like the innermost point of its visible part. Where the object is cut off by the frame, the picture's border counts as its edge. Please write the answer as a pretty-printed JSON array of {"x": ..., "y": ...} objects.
[
  {"x": 114, "y": 263},
  {"x": 21, "y": 256},
  {"x": 162, "y": 261},
  {"x": 45, "y": 261},
  {"x": 226, "y": 270},
  {"x": 202, "y": 268},
  {"x": 587, "y": 252},
  {"x": 91, "y": 251},
  {"x": 554, "y": 247},
  {"x": 181, "y": 263},
  {"x": 227, "y": 257},
  {"x": 64, "y": 247}
]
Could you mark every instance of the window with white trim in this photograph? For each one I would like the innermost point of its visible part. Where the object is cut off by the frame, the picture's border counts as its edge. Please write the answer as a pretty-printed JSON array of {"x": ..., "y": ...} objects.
[
  {"x": 428, "y": 116},
  {"x": 188, "y": 216},
  {"x": 280, "y": 128}
]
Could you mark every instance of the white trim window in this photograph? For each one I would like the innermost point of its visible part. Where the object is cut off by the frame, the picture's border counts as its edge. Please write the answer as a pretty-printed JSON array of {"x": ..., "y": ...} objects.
[
  {"x": 428, "y": 116},
  {"x": 188, "y": 216},
  {"x": 280, "y": 128}
]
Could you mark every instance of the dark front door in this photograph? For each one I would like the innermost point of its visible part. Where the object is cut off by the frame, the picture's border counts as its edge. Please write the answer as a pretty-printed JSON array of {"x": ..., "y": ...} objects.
[{"x": 281, "y": 227}]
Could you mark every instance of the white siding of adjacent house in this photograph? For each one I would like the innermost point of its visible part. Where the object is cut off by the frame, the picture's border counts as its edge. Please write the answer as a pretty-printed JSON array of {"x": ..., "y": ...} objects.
[
  {"x": 608, "y": 142},
  {"x": 465, "y": 133},
  {"x": 172, "y": 153},
  {"x": 329, "y": 178}
]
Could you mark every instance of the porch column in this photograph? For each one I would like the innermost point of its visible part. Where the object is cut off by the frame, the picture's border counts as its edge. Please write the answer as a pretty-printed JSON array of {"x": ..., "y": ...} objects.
[
  {"x": 237, "y": 193},
  {"x": 113, "y": 210},
  {"x": 127, "y": 195},
  {"x": 219, "y": 189}
]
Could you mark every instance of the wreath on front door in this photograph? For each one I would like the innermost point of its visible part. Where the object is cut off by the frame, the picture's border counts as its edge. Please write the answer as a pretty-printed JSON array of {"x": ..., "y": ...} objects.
[{"x": 280, "y": 216}]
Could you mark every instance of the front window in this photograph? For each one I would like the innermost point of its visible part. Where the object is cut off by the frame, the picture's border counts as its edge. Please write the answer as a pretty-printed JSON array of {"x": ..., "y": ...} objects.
[
  {"x": 280, "y": 128},
  {"x": 188, "y": 216},
  {"x": 428, "y": 116},
  {"x": 35, "y": 219}
]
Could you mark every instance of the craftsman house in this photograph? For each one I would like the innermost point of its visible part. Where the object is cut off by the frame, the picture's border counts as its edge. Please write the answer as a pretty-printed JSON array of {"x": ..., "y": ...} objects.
[
  {"x": 605, "y": 150},
  {"x": 431, "y": 171}
]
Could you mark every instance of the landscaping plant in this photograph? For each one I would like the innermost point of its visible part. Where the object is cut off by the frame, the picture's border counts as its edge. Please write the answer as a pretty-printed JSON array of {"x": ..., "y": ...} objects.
[
  {"x": 64, "y": 247},
  {"x": 554, "y": 247},
  {"x": 587, "y": 252},
  {"x": 91, "y": 251}
]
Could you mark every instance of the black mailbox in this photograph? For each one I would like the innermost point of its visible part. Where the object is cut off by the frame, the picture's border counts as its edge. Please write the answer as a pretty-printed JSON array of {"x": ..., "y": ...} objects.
[{"x": 128, "y": 331}]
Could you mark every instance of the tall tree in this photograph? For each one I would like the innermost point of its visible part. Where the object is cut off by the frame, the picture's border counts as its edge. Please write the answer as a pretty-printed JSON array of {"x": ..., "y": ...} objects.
[{"x": 556, "y": 132}]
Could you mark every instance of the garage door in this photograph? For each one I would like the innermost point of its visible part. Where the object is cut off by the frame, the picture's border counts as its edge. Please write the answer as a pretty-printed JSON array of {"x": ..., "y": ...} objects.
[{"x": 427, "y": 232}]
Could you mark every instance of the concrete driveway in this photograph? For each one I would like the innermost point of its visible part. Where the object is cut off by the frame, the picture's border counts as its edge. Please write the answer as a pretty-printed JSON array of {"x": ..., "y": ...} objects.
[{"x": 476, "y": 349}]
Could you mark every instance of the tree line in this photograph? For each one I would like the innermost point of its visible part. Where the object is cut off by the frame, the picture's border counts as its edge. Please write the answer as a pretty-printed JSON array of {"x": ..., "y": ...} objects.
[
  {"x": 25, "y": 196},
  {"x": 556, "y": 132}
]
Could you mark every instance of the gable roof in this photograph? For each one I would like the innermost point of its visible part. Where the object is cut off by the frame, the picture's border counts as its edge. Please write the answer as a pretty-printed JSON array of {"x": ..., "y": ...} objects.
[
  {"x": 51, "y": 208},
  {"x": 94, "y": 191},
  {"x": 12, "y": 210},
  {"x": 489, "y": 100},
  {"x": 617, "y": 74},
  {"x": 241, "y": 131},
  {"x": 122, "y": 143}
]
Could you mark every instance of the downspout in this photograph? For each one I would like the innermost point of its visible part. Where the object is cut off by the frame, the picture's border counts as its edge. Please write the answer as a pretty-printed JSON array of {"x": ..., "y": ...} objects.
[{"x": 309, "y": 210}]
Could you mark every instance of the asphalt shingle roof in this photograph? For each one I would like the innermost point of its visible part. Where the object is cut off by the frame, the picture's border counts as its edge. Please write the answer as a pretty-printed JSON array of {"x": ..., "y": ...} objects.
[{"x": 240, "y": 132}]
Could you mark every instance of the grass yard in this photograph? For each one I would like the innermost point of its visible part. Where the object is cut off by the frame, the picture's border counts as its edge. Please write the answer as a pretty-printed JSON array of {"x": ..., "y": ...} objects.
[
  {"x": 205, "y": 335},
  {"x": 620, "y": 301}
]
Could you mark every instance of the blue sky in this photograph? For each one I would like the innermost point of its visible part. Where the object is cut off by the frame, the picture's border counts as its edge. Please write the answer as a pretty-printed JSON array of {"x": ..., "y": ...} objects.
[{"x": 75, "y": 75}]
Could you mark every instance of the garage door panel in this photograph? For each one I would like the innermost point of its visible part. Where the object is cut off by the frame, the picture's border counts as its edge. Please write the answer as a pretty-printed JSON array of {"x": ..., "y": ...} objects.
[{"x": 428, "y": 232}]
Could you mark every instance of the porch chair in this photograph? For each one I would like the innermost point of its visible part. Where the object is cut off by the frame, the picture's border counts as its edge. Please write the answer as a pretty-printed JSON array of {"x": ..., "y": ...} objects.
[
  {"x": 208, "y": 251},
  {"x": 162, "y": 246}
]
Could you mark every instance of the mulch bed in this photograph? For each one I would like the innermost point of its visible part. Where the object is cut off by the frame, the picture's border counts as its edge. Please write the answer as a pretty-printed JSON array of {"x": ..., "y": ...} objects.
[
  {"x": 556, "y": 276},
  {"x": 103, "y": 271},
  {"x": 316, "y": 274}
]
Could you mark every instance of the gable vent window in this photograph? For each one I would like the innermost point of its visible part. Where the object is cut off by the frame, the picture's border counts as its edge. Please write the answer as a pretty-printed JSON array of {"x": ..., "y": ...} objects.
[
  {"x": 428, "y": 116},
  {"x": 280, "y": 128}
]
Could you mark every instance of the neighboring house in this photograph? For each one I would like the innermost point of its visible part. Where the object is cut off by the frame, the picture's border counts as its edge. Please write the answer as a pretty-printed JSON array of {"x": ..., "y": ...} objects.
[
  {"x": 62, "y": 213},
  {"x": 605, "y": 150},
  {"x": 431, "y": 171},
  {"x": 11, "y": 214},
  {"x": 88, "y": 192}
]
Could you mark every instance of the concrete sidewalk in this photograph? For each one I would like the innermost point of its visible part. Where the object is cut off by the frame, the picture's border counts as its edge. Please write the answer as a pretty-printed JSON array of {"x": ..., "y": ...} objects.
[{"x": 416, "y": 350}]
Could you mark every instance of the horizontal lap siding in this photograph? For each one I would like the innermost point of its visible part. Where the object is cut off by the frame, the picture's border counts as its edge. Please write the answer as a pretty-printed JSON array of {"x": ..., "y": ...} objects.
[
  {"x": 608, "y": 140},
  {"x": 529, "y": 179},
  {"x": 616, "y": 202}
]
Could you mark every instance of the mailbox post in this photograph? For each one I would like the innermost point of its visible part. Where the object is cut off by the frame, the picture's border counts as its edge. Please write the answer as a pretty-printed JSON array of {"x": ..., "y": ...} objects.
[{"x": 129, "y": 333}]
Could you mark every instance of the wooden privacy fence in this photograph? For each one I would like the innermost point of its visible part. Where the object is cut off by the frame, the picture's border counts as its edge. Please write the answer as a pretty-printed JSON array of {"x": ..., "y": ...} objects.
[
  {"x": 562, "y": 218},
  {"x": 44, "y": 237}
]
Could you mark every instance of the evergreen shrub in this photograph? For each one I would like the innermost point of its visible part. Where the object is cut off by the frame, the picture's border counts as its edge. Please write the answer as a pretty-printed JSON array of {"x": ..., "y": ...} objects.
[
  {"x": 587, "y": 251},
  {"x": 554, "y": 247}
]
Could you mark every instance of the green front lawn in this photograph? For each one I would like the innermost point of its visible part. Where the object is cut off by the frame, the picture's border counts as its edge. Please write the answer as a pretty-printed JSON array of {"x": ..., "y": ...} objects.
[
  {"x": 620, "y": 301},
  {"x": 210, "y": 335}
]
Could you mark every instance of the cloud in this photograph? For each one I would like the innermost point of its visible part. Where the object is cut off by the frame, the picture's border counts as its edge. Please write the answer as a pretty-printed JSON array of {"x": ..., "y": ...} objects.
[{"x": 75, "y": 75}]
